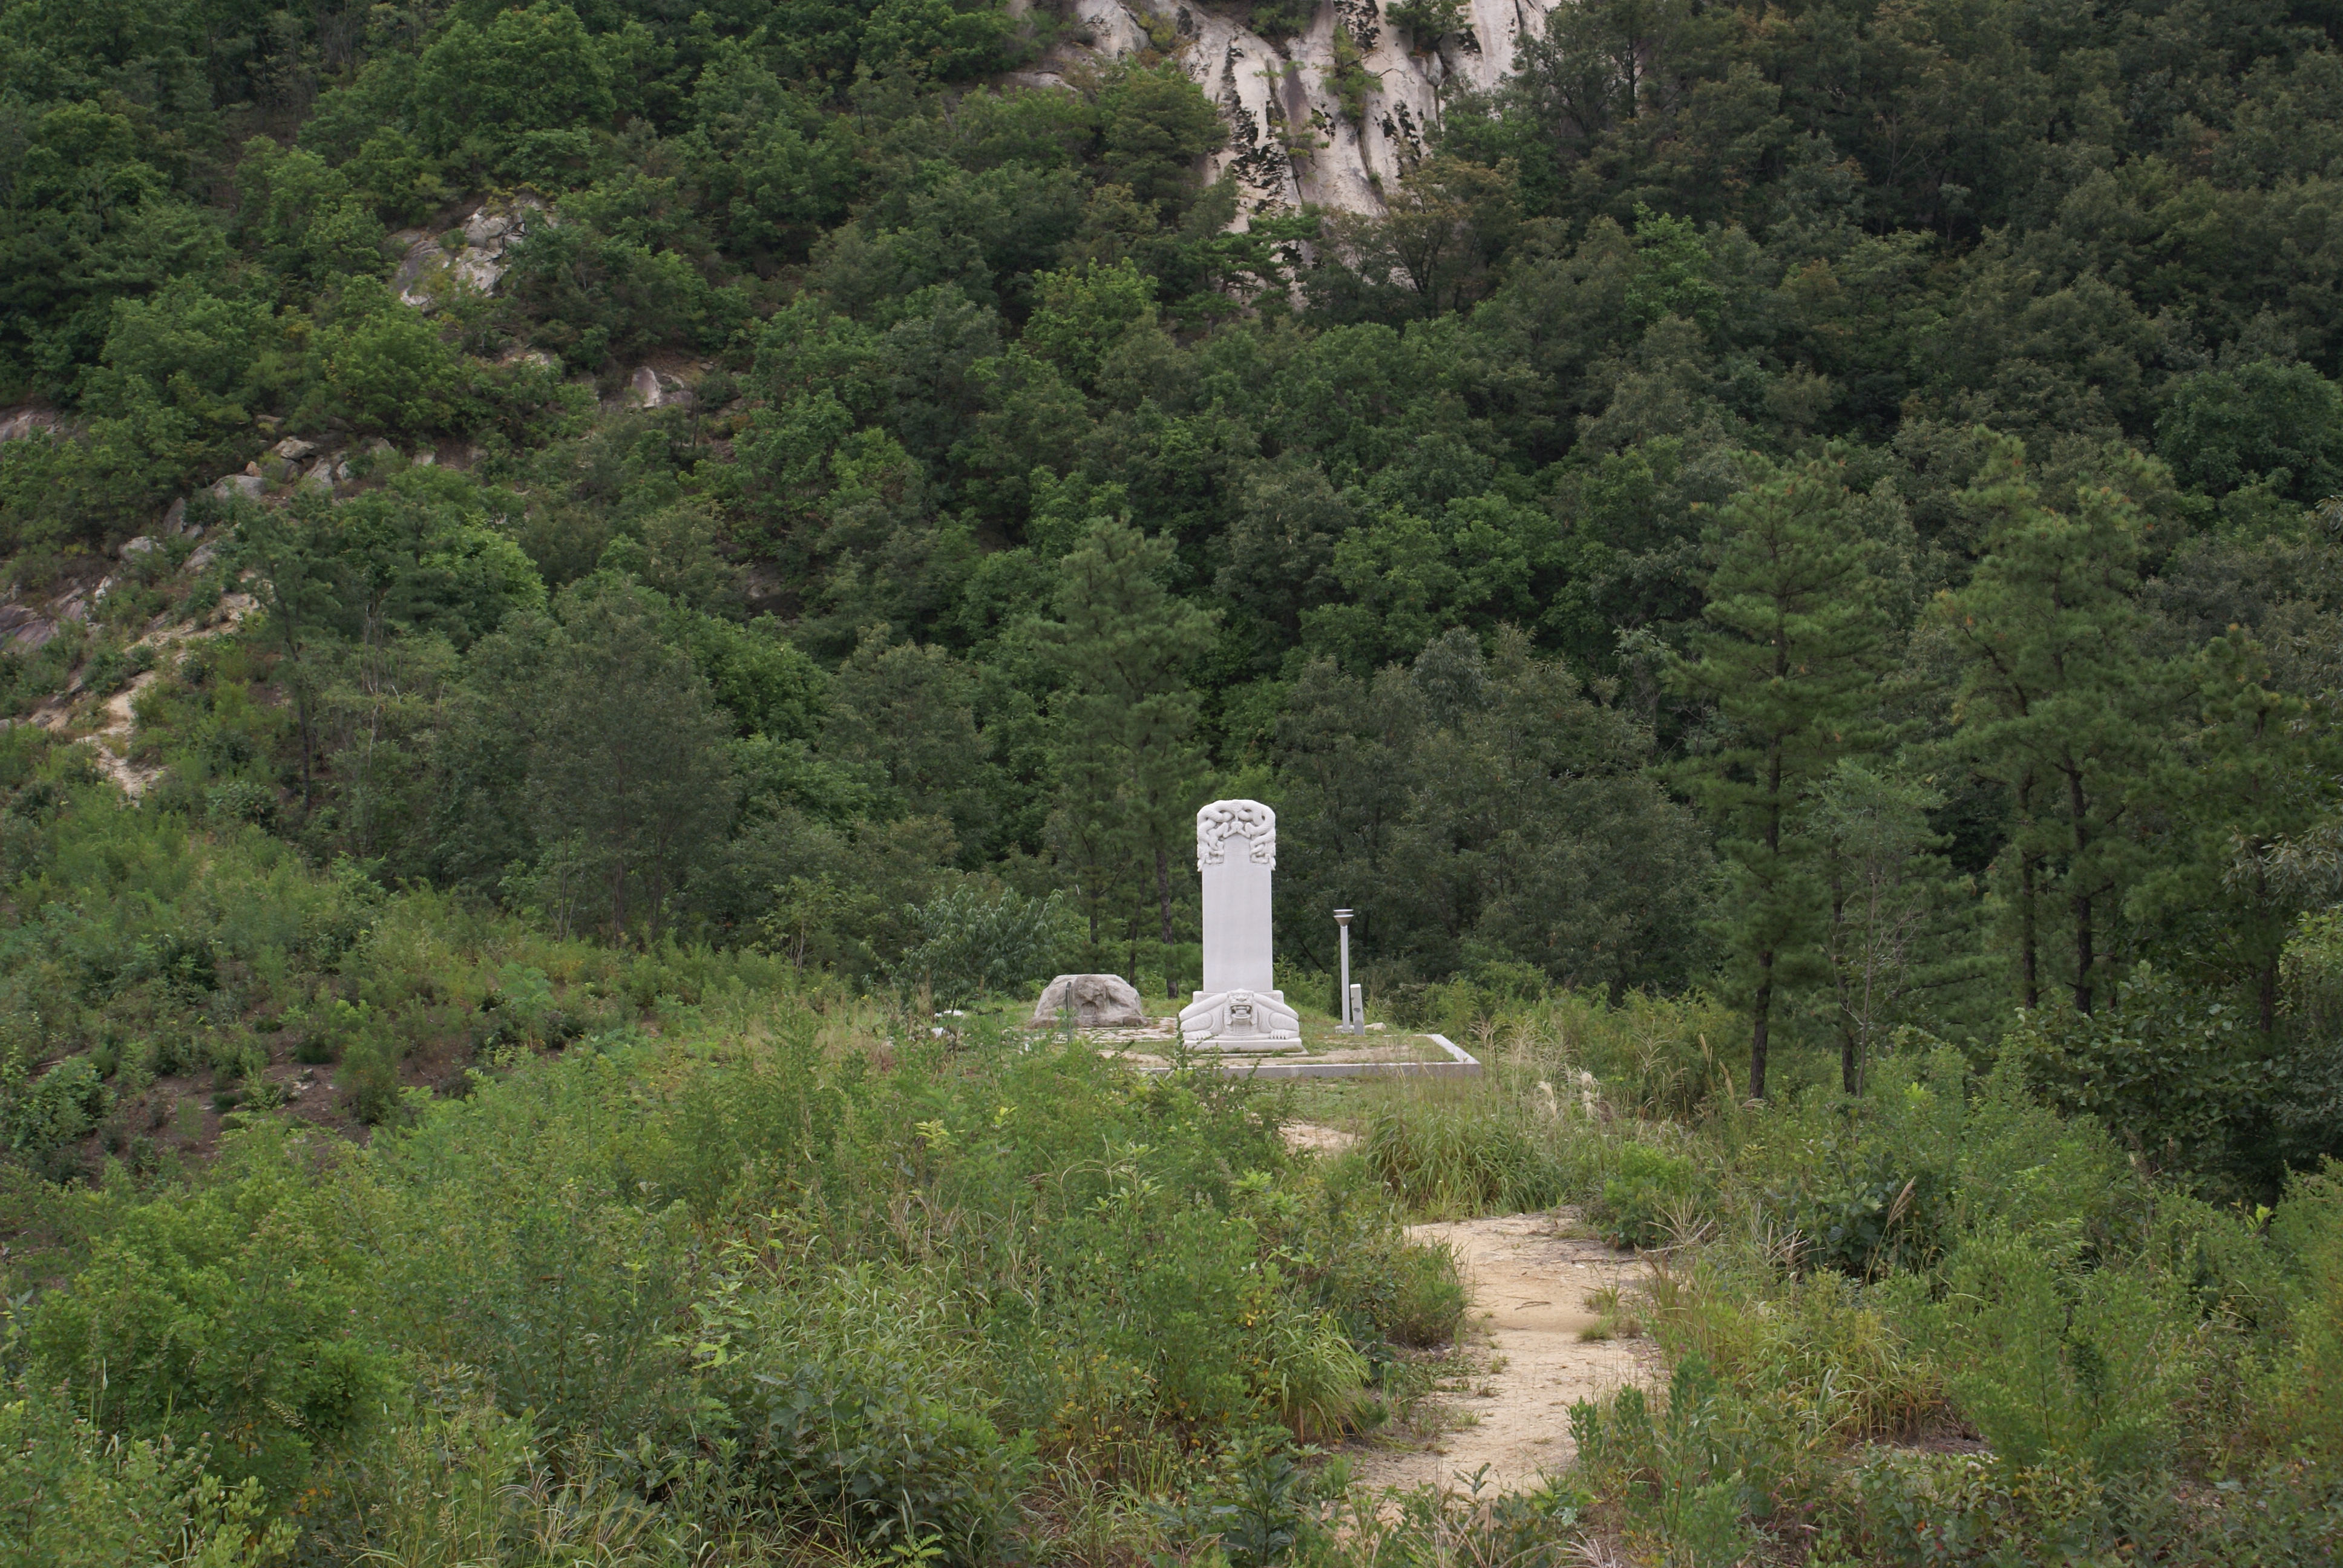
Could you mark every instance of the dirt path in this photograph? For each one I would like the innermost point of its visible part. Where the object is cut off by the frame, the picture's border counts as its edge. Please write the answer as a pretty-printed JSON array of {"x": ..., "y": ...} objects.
[{"x": 1530, "y": 1281}]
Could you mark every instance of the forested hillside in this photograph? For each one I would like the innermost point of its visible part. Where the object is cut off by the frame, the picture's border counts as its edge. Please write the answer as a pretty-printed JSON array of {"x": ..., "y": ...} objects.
[
  {"x": 1756, "y": 455},
  {"x": 531, "y": 528}
]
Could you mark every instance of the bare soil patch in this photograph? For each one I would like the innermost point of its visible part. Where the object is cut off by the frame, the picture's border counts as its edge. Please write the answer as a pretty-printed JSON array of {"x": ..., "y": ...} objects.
[
  {"x": 1507, "y": 1413},
  {"x": 1309, "y": 1136}
]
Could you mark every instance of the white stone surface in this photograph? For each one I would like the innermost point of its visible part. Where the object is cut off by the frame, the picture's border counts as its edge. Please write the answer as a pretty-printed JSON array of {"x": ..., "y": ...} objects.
[
  {"x": 1290, "y": 142},
  {"x": 1241, "y": 1020},
  {"x": 1236, "y": 854},
  {"x": 426, "y": 269},
  {"x": 1099, "y": 1001}
]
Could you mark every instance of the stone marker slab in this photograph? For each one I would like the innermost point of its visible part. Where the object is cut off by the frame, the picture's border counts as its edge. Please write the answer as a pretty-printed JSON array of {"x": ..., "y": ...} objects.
[
  {"x": 1099, "y": 1001},
  {"x": 1240, "y": 1007}
]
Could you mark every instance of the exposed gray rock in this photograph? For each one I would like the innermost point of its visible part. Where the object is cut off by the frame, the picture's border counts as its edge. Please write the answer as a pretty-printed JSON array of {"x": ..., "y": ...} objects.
[
  {"x": 23, "y": 628},
  {"x": 249, "y": 486},
  {"x": 132, "y": 549},
  {"x": 1099, "y": 1001},
  {"x": 18, "y": 423},
  {"x": 647, "y": 389},
  {"x": 175, "y": 516},
  {"x": 1290, "y": 138},
  {"x": 427, "y": 270},
  {"x": 292, "y": 449},
  {"x": 206, "y": 554},
  {"x": 419, "y": 253}
]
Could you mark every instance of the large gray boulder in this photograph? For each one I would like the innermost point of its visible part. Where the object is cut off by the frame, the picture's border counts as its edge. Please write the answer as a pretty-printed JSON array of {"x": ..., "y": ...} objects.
[{"x": 1099, "y": 1001}]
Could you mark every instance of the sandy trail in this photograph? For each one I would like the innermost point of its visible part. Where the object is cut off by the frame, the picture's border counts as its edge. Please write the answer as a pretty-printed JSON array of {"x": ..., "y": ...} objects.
[{"x": 1530, "y": 1281}]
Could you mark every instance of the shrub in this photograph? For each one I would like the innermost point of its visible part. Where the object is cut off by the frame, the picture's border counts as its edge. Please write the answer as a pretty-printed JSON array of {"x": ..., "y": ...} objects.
[
  {"x": 1427, "y": 21},
  {"x": 1649, "y": 1197},
  {"x": 1449, "y": 1151},
  {"x": 226, "y": 1310},
  {"x": 58, "y": 1108},
  {"x": 73, "y": 1496},
  {"x": 852, "y": 1401},
  {"x": 2183, "y": 1077},
  {"x": 971, "y": 945},
  {"x": 2057, "y": 1364},
  {"x": 2302, "y": 1397},
  {"x": 241, "y": 801},
  {"x": 1943, "y": 1508}
]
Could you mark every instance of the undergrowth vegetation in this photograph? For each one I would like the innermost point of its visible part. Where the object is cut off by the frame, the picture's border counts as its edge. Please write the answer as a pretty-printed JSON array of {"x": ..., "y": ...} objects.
[
  {"x": 1940, "y": 1322},
  {"x": 784, "y": 1283}
]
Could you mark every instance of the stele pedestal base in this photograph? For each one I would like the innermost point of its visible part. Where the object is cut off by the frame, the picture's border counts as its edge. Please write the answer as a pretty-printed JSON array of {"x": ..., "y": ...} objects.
[{"x": 1241, "y": 1020}]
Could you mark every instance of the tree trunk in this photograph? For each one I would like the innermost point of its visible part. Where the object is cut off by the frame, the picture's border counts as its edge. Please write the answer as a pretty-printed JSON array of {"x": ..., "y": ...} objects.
[
  {"x": 1761, "y": 1010},
  {"x": 1163, "y": 896},
  {"x": 1850, "y": 1039},
  {"x": 2029, "y": 936},
  {"x": 2266, "y": 993},
  {"x": 2030, "y": 978},
  {"x": 2085, "y": 956}
]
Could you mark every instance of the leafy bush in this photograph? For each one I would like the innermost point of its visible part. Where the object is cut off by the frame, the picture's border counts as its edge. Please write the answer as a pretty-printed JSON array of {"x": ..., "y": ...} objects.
[
  {"x": 1650, "y": 1198},
  {"x": 75, "y": 1496},
  {"x": 1943, "y": 1508},
  {"x": 2184, "y": 1077},
  {"x": 1427, "y": 22},
  {"x": 853, "y": 1401},
  {"x": 60, "y": 1107},
  {"x": 225, "y": 1310},
  {"x": 971, "y": 945},
  {"x": 2054, "y": 1364},
  {"x": 370, "y": 1059},
  {"x": 2302, "y": 1394},
  {"x": 1920, "y": 1510}
]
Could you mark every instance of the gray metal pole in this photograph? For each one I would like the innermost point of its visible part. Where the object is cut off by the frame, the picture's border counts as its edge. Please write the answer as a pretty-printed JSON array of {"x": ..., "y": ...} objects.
[{"x": 1349, "y": 1025}]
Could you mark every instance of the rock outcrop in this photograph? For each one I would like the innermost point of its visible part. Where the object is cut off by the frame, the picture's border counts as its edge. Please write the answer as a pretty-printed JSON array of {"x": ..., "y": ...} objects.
[
  {"x": 430, "y": 265},
  {"x": 1292, "y": 141}
]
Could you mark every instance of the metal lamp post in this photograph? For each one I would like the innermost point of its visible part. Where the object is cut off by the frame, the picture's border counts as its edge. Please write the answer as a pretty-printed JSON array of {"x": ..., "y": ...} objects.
[{"x": 1349, "y": 1024}]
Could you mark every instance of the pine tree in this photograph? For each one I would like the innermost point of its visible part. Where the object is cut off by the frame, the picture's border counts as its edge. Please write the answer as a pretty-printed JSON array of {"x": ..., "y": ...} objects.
[
  {"x": 1789, "y": 657},
  {"x": 1896, "y": 937},
  {"x": 1127, "y": 758},
  {"x": 2057, "y": 704},
  {"x": 2252, "y": 779}
]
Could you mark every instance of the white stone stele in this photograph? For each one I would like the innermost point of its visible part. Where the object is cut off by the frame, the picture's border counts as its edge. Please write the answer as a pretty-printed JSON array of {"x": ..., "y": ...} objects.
[{"x": 1239, "y": 1008}]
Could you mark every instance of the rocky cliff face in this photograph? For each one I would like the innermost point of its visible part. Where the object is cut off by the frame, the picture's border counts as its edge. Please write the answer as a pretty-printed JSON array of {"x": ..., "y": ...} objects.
[{"x": 1291, "y": 140}]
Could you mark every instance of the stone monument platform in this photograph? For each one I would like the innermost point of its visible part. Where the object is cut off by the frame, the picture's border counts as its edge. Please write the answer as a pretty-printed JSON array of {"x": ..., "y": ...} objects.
[
  {"x": 1239, "y": 1022},
  {"x": 1318, "y": 1050}
]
